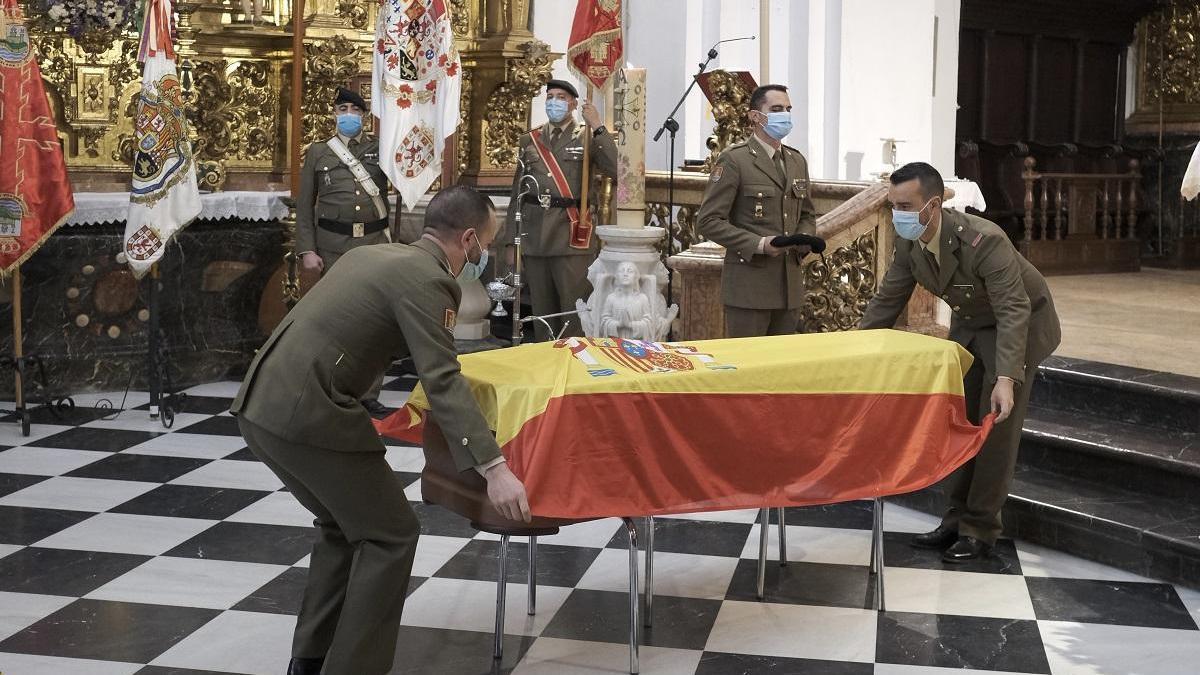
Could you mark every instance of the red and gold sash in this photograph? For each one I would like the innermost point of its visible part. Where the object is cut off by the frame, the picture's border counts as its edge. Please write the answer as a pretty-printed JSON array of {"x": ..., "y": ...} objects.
[{"x": 581, "y": 229}]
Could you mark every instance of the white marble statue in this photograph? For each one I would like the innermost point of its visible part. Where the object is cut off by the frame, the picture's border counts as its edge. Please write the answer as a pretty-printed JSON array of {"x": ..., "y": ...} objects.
[{"x": 626, "y": 303}]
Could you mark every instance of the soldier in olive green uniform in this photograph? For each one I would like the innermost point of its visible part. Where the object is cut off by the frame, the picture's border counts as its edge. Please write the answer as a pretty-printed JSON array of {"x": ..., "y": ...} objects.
[
  {"x": 759, "y": 190},
  {"x": 554, "y": 269},
  {"x": 335, "y": 212},
  {"x": 1002, "y": 313},
  {"x": 298, "y": 411}
]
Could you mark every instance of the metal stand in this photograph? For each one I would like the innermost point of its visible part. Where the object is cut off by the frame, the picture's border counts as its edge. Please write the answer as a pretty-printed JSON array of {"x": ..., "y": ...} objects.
[
  {"x": 500, "y": 290},
  {"x": 877, "y": 552},
  {"x": 163, "y": 404},
  {"x": 21, "y": 363}
]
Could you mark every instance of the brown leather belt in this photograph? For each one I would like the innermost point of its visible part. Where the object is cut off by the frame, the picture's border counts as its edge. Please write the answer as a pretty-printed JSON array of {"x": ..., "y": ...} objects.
[
  {"x": 552, "y": 202},
  {"x": 353, "y": 229}
]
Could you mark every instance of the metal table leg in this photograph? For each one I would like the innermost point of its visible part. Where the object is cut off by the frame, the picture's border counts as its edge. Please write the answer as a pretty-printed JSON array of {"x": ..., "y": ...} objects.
[
  {"x": 631, "y": 530},
  {"x": 532, "y": 576},
  {"x": 501, "y": 584}
]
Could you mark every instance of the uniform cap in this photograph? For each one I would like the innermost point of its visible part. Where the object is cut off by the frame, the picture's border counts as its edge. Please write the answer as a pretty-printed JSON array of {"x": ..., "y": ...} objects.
[
  {"x": 564, "y": 85},
  {"x": 345, "y": 95}
]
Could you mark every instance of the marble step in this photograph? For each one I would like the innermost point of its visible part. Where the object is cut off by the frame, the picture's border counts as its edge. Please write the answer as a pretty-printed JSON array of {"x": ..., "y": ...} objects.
[
  {"x": 1134, "y": 457},
  {"x": 1119, "y": 393},
  {"x": 1148, "y": 534}
]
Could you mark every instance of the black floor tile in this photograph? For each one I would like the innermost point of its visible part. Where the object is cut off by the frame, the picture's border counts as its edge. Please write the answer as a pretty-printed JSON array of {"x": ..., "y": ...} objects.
[
  {"x": 849, "y": 515},
  {"x": 201, "y": 405},
  {"x": 281, "y": 595},
  {"x": 191, "y": 501},
  {"x": 603, "y": 616},
  {"x": 243, "y": 455},
  {"x": 45, "y": 415},
  {"x": 407, "y": 478},
  {"x": 429, "y": 651},
  {"x": 718, "y": 663},
  {"x": 249, "y": 542},
  {"x": 442, "y": 522},
  {"x": 52, "y": 571},
  {"x": 216, "y": 426},
  {"x": 802, "y": 583},
  {"x": 11, "y": 482},
  {"x": 557, "y": 565},
  {"x": 1112, "y": 602},
  {"x": 898, "y": 552},
  {"x": 934, "y": 640},
  {"x": 147, "y": 468},
  {"x": 93, "y": 438},
  {"x": 702, "y": 537},
  {"x": 26, "y": 525},
  {"x": 109, "y": 631},
  {"x": 159, "y": 670}
]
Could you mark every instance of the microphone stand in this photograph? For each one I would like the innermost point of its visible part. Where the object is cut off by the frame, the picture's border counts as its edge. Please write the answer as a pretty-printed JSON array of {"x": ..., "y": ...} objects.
[
  {"x": 671, "y": 126},
  {"x": 498, "y": 290}
]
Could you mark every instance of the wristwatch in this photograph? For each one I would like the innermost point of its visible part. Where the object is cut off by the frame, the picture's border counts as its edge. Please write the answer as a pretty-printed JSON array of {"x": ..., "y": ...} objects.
[{"x": 599, "y": 130}]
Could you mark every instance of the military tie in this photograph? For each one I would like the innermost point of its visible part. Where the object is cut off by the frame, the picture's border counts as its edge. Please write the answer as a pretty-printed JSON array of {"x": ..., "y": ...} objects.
[
  {"x": 779, "y": 165},
  {"x": 554, "y": 136},
  {"x": 933, "y": 261}
]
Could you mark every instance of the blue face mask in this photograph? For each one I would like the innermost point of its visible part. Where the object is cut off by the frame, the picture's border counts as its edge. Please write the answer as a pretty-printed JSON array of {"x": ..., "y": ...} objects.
[
  {"x": 908, "y": 223},
  {"x": 556, "y": 110},
  {"x": 779, "y": 125},
  {"x": 473, "y": 270},
  {"x": 349, "y": 124}
]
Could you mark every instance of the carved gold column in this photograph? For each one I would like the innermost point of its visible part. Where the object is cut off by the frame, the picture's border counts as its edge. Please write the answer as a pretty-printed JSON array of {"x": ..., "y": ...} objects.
[
  {"x": 504, "y": 67},
  {"x": 1168, "y": 70}
]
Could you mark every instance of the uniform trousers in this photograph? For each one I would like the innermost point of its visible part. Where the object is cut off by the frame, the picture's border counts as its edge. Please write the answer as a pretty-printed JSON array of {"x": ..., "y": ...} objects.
[
  {"x": 979, "y": 488},
  {"x": 363, "y": 556},
  {"x": 555, "y": 283},
  {"x": 744, "y": 322}
]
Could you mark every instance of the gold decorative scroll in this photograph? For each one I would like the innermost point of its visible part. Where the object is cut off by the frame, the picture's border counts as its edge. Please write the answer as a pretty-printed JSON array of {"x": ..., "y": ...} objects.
[
  {"x": 840, "y": 286},
  {"x": 328, "y": 64},
  {"x": 508, "y": 105},
  {"x": 730, "y": 100},
  {"x": 1168, "y": 69}
]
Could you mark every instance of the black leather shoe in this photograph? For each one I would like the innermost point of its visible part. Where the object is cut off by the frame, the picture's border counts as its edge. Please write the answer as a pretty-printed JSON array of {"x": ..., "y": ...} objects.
[
  {"x": 376, "y": 408},
  {"x": 299, "y": 666},
  {"x": 966, "y": 548},
  {"x": 940, "y": 538}
]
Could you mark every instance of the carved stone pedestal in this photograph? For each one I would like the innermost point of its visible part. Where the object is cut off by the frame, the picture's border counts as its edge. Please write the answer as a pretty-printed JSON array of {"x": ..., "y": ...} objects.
[
  {"x": 698, "y": 280},
  {"x": 629, "y": 282}
]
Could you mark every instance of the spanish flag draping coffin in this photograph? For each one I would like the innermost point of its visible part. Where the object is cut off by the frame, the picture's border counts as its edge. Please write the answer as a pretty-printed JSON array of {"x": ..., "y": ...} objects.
[{"x": 612, "y": 427}]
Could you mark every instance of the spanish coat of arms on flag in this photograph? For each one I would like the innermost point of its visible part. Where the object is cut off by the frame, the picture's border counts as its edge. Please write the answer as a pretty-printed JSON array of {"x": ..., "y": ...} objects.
[{"x": 417, "y": 80}]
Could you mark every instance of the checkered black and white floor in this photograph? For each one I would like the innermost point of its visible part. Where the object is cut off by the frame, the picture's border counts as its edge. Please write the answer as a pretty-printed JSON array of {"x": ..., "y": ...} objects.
[{"x": 128, "y": 548}]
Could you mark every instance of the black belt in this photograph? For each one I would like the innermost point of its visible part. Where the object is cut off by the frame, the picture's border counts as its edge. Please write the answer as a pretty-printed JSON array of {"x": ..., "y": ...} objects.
[
  {"x": 353, "y": 229},
  {"x": 552, "y": 202}
]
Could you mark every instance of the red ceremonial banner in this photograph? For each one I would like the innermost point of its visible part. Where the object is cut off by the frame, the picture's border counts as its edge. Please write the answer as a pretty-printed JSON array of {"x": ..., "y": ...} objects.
[
  {"x": 595, "y": 50},
  {"x": 35, "y": 194}
]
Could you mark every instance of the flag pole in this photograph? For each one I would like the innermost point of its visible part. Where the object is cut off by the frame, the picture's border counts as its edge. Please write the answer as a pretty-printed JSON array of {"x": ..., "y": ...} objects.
[
  {"x": 587, "y": 164},
  {"x": 18, "y": 349}
]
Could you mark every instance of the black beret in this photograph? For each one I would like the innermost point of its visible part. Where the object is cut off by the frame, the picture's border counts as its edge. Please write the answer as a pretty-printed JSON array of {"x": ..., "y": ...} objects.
[
  {"x": 564, "y": 85},
  {"x": 344, "y": 95}
]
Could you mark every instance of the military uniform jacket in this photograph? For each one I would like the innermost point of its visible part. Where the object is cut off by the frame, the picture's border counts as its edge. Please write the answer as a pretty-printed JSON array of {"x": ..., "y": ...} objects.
[
  {"x": 388, "y": 301},
  {"x": 747, "y": 199},
  {"x": 329, "y": 191},
  {"x": 1000, "y": 302},
  {"x": 549, "y": 230}
]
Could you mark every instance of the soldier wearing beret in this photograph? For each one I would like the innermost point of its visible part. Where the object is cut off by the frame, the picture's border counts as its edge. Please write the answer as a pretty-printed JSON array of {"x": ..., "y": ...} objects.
[
  {"x": 343, "y": 200},
  {"x": 1002, "y": 314},
  {"x": 759, "y": 190},
  {"x": 558, "y": 245}
]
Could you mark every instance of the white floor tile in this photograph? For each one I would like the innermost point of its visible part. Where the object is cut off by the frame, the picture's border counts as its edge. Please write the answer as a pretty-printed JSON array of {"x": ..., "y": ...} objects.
[
  {"x": 675, "y": 574},
  {"x": 202, "y": 446},
  {"x": 829, "y": 545},
  {"x": 112, "y": 399},
  {"x": 961, "y": 593},
  {"x": 277, "y": 508},
  {"x": 216, "y": 389},
  {"x": 47, "y": 461},
  {"x": 413, "y": 492},
  {"x": 19, "y": 610},
  {"x": 305, "y": 560},
  {"x": 741, "y": 516},
  {"x": 1039, "y": 561},
  {"x": 592, "y": 534},
  {"x": 894, "y": 669},
  {"x": 188, "y": 582},
  {"x": 10, "y": 433},
  {"x": 28, "y": 664},
  {"x": 1190, "y": 598},
  {"x": 471, "y": 605},
  {"x": 77, "y": 494},
  {"x": 551, "y": 656},
  {"x": 903, "y": 519},
  {"x": 139, "y": 420},
  {"x": 407, "y": 459},
  {"x": 796, "y": 631},
  {"x": 1100, "y": 649},
  {"x": 393, "y": 399},
  {"x": 127, "y": 533},
  {"x": 433, "y": 552},
  {"x": 236, "y": 642},
  {"x": 230, "y": 473},
  {"x": 7, "y": 549}
]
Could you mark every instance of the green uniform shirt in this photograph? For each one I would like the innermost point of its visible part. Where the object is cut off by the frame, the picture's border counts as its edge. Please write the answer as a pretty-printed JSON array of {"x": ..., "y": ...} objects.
[{"x": 329, "y": 191}]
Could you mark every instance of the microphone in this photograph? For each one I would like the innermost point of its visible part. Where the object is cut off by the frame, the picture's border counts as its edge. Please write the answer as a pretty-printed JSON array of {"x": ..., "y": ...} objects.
[{"x": 712, "y": 53}]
